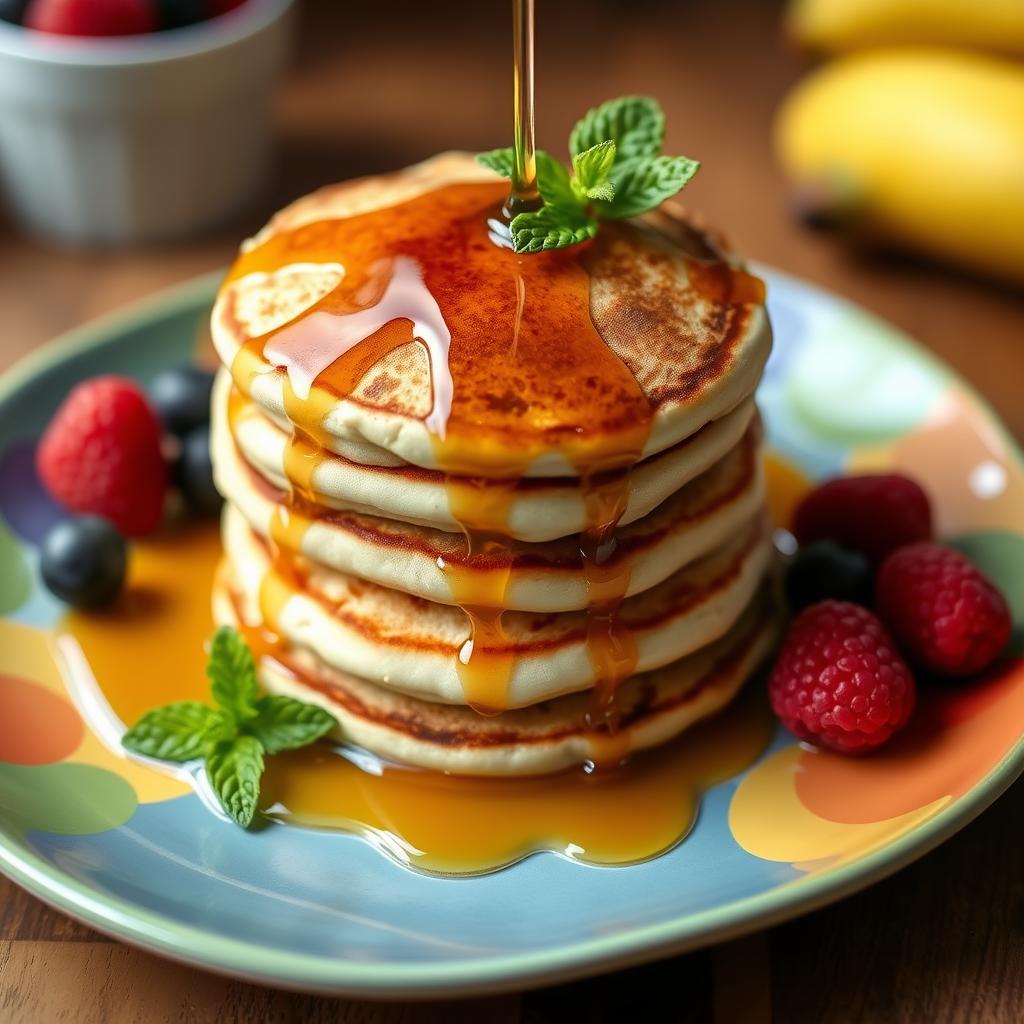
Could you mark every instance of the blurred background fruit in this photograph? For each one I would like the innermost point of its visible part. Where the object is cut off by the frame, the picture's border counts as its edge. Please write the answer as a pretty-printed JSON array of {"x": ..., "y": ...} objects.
[
  {"x": 106, "y": 18},
  {"x": 92, "y": 17},
  {"x": 834, "y": 26},
  {"x": 922, "y": 148},
  {"x": 114, "y": 132}
]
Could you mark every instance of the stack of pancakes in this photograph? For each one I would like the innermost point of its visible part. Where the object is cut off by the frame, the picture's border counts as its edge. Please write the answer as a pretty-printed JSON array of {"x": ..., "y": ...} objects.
[{"x": 481, "y": 576}]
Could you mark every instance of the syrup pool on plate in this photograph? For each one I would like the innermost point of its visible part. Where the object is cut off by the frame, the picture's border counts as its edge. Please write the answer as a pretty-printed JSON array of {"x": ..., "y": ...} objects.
[{"x": 150, "y": 649}]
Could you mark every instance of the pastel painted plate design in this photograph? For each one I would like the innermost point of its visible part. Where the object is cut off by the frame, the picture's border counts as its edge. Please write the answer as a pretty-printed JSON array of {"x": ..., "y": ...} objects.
[{"x": 136, "y": 854}]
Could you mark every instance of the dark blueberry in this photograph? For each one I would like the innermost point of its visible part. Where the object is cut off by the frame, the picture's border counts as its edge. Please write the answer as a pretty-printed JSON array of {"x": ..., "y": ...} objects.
[
  {"x": 13, "y": 10},
  {"x": 825, "y": 570},
  {"x": 181, "y": 398},
  {"x": 83, "y": 561},
  {"x": 194, "y": 474},
  {"x": 179, "y": 13}
]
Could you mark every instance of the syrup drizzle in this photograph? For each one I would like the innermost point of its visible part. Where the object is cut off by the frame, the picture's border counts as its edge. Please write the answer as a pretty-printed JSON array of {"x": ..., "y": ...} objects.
[
  {"x": 304, "y": 349},
  {"x": 486, "y": 661}
]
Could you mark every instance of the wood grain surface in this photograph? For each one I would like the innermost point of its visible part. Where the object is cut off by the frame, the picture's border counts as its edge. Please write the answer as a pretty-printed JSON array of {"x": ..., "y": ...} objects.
[{"x": 376, "y": 86}]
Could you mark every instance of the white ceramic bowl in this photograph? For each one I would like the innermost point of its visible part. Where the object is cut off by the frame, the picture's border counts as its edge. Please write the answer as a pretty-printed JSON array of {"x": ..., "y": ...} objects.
[{"x": 139, "y": 138}]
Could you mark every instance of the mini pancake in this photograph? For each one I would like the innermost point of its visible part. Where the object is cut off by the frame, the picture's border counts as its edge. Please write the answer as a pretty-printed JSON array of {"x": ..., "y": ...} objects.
[
  {"x": 413, "y": 646},
  {"x": 547, "y": 577},
  {"x": 533, "y": 509},
  {"x": 695, "y": 356},
  {"x": 546, "y": 738}
]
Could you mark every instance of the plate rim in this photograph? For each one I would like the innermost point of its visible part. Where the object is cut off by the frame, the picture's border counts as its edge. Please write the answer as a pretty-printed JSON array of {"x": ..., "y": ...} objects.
[{"x": 309, "y": 972}]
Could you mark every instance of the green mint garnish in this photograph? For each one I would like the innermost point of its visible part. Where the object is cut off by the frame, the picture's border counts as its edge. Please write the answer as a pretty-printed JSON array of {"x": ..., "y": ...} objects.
[
  {"x": 232, "y": 674},
  {"x": 282, "y": 723},
  {"x": 617, "y": 171},
  {"x": 235, "y": 737},
  {"x": 175, "y": 732},
  {"x": 234, "y": 768},
  {"x": 551, "y": 228}
]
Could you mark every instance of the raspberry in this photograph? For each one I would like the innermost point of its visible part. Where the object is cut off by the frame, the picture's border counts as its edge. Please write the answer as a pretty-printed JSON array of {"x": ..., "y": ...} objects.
[
  {"x": 101, "y": 455},
  {"x": 838, "y": 680},
  {"x": 873, "y": 514},
  {"x": 92, "y": 17},
  {"x": 946, "y": 613}
]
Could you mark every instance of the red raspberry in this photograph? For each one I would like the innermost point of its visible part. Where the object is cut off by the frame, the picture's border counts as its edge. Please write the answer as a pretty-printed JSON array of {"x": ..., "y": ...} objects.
[
  {"x": 92, "y": 17},
  {"x": 946, "y": 613},
  {"x": 873, "y": 514},
  {"x": 101, "y": 455},
  {"x": 838, "y": 680}
]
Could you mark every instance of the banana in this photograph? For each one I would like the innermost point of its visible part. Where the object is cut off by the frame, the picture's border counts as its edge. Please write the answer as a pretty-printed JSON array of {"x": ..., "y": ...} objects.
[
  {"x": 924, "y": 148},
  {"x": 834, "y": 26}
]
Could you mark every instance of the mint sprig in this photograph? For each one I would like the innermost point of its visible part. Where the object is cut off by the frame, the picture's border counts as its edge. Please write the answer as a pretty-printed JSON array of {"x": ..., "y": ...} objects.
[
  {"x": 617, "y": 171},
  {"x": 551, "y": 228},
  {"x": 234, "y": 738}
]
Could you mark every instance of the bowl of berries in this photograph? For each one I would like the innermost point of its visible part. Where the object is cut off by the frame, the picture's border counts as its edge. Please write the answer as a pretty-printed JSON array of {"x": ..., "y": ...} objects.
[{"x": 135, "y": 120}]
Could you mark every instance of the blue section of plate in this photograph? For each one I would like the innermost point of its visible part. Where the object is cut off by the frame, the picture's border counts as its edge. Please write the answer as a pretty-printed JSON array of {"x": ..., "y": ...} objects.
[{"x": 329, "y": 912}]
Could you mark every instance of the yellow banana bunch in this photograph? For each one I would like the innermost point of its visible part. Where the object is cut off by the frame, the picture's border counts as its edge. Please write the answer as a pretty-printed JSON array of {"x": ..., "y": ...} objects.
[
  {"x": 834, "y": 26},
  {"x": 922, "y": 147}
]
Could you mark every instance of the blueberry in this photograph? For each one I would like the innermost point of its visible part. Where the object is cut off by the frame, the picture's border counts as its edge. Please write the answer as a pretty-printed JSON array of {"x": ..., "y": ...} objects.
[
  {"x": 823, "y": 570},
  {"x": 194, "y": 474},
  {"x": 13, "y": 10},
  {"x": 181, "y": 398},
  {"x": 178, "y": 13},
  {"x": 83, "y": 561}
]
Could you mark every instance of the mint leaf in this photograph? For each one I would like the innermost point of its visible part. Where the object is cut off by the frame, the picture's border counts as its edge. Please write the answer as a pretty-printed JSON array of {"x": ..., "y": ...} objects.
[
  {"x": 235, "y": 739},
  {"x": 643, "y": 185},
  {"x": 592, "y": 168},
  {"x": 617, "y": 172},
  {"x": 635, "y": 124},
  {"x": 234, "y": 769},
  {"x": 552, "y": 177},
  {"x": 605, "y": 191},
  {"x": 500, "y": 160},
  {"x": 550, "y": 228},
  {"x": 282, "y": 723},
  {"x": 232, "y": 674},
  {"x": 176, "y": 732},
  {"x": 554, "y": 184}
]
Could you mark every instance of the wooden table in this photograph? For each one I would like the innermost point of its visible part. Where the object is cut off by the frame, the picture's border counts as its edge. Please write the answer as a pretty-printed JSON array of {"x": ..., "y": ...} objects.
[{"x": 377, "y": 86}]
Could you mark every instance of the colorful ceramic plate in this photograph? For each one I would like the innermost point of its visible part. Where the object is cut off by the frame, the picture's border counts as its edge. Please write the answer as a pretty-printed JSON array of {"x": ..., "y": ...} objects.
[{"x": 137, "y": 855}]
